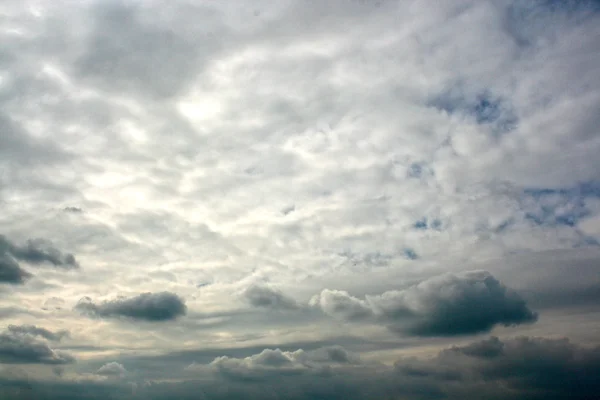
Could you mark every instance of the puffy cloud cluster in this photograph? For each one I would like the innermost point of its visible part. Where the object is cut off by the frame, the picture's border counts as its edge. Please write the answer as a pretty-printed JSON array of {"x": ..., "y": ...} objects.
[
  {"x": 161, "y": 306},
  {"x": 275, "y": 361},
  {"x": 447, "y": 305}
]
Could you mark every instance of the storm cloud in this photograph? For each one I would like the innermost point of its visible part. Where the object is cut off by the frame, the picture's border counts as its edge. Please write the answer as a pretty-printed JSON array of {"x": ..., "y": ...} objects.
[
  {"x": 161, "y": 306},
  {"x": 447, "y": 305}
]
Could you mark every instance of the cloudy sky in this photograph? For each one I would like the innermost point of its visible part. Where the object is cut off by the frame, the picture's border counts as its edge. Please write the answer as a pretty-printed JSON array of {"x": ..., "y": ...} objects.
[{"x": 299, "y": 199}]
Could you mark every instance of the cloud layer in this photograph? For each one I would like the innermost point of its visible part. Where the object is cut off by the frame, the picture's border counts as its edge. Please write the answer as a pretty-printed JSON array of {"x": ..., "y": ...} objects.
[{"x": 299, "y": 199}]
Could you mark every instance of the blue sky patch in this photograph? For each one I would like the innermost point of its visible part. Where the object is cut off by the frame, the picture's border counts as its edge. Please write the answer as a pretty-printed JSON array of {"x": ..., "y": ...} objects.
[
  {"x": 425, "y": 223},
  {"x": 410, "y": 254},
  {"x": 485, "y": 108},
  {"x": 563, "y": 206}
]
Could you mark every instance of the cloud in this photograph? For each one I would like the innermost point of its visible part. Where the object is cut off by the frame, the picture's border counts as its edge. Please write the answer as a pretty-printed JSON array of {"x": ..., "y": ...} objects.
[
  {"x": 520, "y": 368},
  {"x": 112, "y": 369},
  {"x": 407, "y": 146},
  {"x": 18, "y": 345},
  {"x": 266, "y": 297},
  {"x": 38, "y": 251},
  {"x": 162, "y": 306},
  {"x": 529, "y": 367},
  {"x": 447, "y": 305},
  {"x": 38, "y": 331},
  {"x": 340, "y": 304},
  {"x": 271, "y": 361},
  {"x": 11, "y": 272}
]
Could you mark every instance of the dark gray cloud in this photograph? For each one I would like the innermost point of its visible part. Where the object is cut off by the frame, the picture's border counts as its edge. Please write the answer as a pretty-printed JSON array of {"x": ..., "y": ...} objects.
[
  {"x": 267, "y": 297},
  {"x": 38, "y": 331},
  {"x": 38, "y": 251},
  {"x": 11, "y": 272},
  {"x": 446, "y": 305},
  {"x": 527, "y": 367},
  {"x": 162, "y": 306},
  {"x": 18, "y": 345}
]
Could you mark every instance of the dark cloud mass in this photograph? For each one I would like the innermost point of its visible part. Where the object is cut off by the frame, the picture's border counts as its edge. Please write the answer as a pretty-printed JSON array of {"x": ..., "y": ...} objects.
[
  {"x": 18, "y": 345},
  {"x": 447, "y": 305},
  {"x": 267, "y": 297},
  {"x": 38, "y": 251},
  {"x": 11, "y": 272},
  {"x": 162, "y": 306}
]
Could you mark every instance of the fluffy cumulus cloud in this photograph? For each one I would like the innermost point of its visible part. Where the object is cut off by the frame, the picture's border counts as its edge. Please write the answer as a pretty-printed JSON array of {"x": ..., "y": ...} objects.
[
  {"x": 299, "y": 199},
  {"x": 272, "y": 362},
  {"x": 162, "y": 306},
  {"x": 447, "y": 305}
]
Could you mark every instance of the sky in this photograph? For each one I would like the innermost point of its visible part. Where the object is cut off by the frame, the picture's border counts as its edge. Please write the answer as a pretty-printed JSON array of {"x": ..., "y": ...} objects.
[{"x": 300, "y": 199}]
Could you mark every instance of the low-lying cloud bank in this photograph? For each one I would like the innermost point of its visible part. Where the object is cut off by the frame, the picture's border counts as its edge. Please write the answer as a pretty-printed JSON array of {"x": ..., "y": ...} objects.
[{"x": 519, "y": 368}]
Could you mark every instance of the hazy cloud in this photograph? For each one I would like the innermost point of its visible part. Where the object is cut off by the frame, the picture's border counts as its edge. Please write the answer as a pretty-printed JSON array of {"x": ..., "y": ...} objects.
[
  {"x": 38, "y": 331},
  {"x": 267, "y": 297},
  {"x": 162, "y": 306}
]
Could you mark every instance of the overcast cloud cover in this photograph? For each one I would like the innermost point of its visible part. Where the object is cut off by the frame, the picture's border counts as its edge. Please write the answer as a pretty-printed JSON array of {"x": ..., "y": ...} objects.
[{"x": 300, "y": 199}]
